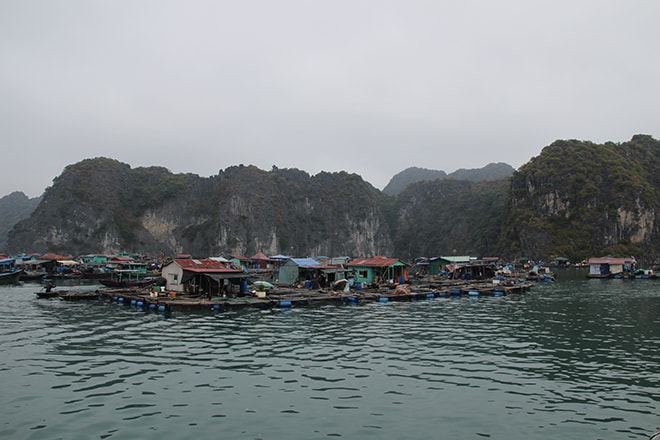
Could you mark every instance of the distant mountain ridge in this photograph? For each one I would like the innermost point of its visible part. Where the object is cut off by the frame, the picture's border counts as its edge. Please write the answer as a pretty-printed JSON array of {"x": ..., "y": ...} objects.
[
  {"x": 14, "y": 207},
  {"x": 576, "y": 199},
  {"x": 492, "y": 171}
]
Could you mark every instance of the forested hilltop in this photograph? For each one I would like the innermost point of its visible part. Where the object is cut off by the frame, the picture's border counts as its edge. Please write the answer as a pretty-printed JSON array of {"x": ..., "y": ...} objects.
[
  {"x": 579, "y": 199},
  {"x": 576, "y": 199},
  {"x": 102, "y": 205}
]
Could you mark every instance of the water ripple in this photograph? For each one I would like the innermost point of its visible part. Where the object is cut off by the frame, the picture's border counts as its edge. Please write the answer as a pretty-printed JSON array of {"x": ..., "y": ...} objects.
[{"x": 565, "y": 361}]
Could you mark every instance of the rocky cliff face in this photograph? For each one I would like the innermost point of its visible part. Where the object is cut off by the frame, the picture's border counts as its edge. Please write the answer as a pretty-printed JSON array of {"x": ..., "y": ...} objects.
[
  {"x": 101, "y": 205},
  {"x": 581, "y": 199}
]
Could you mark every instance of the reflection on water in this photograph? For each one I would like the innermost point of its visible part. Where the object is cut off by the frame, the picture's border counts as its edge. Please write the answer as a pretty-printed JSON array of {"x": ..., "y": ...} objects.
[{"x": 574, "y": 359}]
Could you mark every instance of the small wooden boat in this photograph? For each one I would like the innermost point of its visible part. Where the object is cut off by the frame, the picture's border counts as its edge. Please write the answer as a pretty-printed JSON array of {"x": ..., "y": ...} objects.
[
  {"x": 77, "y": 295},
  {"x": 50, "y": 293}
]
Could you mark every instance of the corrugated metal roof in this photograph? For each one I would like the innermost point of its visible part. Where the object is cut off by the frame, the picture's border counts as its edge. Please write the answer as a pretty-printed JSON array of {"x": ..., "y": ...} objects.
[
  {"x": 205, "y": 266},
  {"x": 55, "y": 257},
  {"x": 457, "y": 258},
  {"x": 373, "y": 262},
  {"x": 305, "y": 262},
  {"x": 611, "y": 260}
]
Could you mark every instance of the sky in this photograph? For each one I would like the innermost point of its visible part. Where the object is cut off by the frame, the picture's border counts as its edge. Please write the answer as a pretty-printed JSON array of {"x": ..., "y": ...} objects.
[{"x": 370, "y": 87}]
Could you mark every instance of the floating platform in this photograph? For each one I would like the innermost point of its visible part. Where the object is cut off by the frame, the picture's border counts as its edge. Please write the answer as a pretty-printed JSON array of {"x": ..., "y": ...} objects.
[{"x": 293, "y": 297}]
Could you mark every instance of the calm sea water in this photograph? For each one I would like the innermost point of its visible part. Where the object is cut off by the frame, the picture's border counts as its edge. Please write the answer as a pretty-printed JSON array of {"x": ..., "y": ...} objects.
[{"x": 576, "y": 359}]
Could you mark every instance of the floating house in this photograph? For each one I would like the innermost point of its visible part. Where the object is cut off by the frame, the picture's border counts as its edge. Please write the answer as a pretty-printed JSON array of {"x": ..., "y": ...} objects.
[
  {"x": 378, "y": 270},
  {"x": 440, "y": 265},
  {"x": 94, "y": 259},
  {"x": 473, "y": 270},
  {"x": 297, "y": 269},
  {"x": 611, "y": 267},
  {"x": 260, "y": 261},
  {"x": 311, "y": 272},
  {"x": 208, "y": 277}
]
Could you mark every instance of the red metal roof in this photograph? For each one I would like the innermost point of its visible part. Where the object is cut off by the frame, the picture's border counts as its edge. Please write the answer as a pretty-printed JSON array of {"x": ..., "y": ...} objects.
[
  {"x": 55, "y": 257},
  {"x": 373, "y": 262},
  {"x": 206, "y": 265}
]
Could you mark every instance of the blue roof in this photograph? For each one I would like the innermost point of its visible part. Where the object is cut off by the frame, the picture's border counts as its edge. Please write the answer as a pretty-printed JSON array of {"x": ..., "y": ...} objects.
[
  {"x": 305, "y": 262},
  {"x": 280, "y": 257}
]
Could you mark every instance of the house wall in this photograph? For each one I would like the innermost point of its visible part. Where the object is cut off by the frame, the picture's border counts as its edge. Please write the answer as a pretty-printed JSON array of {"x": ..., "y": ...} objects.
[
  {"x": 288, "y": 273},
  {"x": 594, "y": 269},
  {"x": 363, "y": 274},
  {"x": 616, "y": 269},
  {"x": 173, "y": 274},
  {"x": 434, "y": 267}
]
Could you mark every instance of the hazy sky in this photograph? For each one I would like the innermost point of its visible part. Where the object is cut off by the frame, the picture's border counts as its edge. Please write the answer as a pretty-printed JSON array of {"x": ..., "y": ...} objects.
[{"x": 369, "y": 87}]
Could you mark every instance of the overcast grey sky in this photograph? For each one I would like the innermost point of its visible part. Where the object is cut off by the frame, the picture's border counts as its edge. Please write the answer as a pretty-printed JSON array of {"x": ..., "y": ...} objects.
[{"x": 370, "y": 87}]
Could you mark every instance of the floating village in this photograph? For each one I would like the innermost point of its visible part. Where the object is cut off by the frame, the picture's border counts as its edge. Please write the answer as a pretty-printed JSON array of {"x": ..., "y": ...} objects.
[{"x": 221, "y": 284}]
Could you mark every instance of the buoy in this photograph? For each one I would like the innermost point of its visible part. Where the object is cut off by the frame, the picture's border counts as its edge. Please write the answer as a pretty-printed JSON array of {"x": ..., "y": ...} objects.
[
  {"x": 161, "y": 308},
  {"x": 430, "y": 295},
  {"x": 120, "y": 299},
  {"x": 473, "y": 293},
  {"x": 133, "y": 302},
  {"x": 351, "y": 299},
  {"x": 498, "y": 293},
  {"x": 455, "y": 292},
  {"x": 140, "y": 303},
  {"x": 285, "y": 304},
  {"x": 383, "y": 299},
  {"x": 152, "y": 306},
  {"x": 216, "y": 307}
]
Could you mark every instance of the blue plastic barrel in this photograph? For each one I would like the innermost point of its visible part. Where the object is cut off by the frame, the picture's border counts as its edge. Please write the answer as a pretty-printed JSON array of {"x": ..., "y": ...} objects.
[
  {"x": 161, "y": 308},
  {"x": 308, "y": 284},
  {"x": 430, "y": 295},
  {"x": 358, "y": 286},
  {"x": 402, "y": 280},
  {"x": 383, "y": 299},
  {"x": 244, "y": 286},
  {"x": 473, "y": 293},
  {"x": 498, "y": 293},
  {"x": 455, "y": 292},
  {"x": 285, "y": 304}
]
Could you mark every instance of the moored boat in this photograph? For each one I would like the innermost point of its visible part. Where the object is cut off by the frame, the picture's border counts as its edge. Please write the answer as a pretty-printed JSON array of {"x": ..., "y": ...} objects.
[
  {"x": 127, "y": 278},
  {"x": 9, "y": 273}
]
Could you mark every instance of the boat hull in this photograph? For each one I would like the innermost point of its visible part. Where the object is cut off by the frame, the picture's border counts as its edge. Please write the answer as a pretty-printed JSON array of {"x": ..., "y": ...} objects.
[
  {"x": 10, "y": 277},
  {"x": 117, "y": 283}
]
